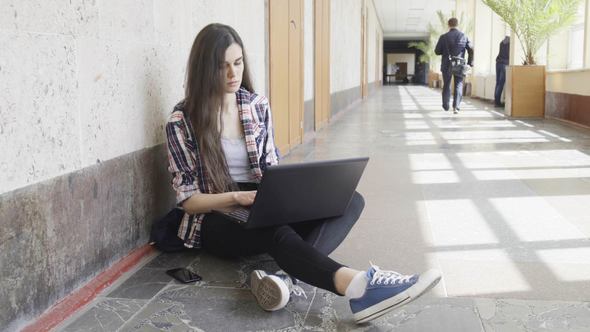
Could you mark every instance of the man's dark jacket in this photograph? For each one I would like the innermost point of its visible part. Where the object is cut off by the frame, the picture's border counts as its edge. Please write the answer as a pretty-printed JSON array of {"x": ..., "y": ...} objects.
[
  {"x": 504, "y": 53},
  {"x": 453, "y": 43}
]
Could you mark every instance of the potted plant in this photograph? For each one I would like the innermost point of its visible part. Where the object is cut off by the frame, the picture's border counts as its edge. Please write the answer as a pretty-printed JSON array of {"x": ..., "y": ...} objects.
[{"x": 533, "y": 22}]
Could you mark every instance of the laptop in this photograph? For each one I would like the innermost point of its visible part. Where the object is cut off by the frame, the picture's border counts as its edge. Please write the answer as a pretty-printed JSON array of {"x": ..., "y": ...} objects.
[{"x": 292, "y": 193}]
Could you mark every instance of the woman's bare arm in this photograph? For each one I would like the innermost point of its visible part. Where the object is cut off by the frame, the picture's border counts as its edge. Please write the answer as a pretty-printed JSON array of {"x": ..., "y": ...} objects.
[{"x": 204, "y": 203}]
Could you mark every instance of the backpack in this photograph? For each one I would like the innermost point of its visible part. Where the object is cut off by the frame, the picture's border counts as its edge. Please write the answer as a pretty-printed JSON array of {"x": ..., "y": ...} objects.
[{"x": 164, "y": 232}]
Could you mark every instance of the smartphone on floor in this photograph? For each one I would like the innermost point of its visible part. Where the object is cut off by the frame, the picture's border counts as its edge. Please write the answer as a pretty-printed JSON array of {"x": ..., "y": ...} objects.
[{"x": 183, "y": 275}]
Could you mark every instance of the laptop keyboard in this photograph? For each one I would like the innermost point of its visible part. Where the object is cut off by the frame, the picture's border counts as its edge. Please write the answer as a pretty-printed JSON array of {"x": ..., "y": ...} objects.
[{"x": 241, "y": 214}]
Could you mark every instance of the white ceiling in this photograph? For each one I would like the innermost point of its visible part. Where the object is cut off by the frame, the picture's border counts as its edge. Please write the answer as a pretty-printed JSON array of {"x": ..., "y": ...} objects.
[{"x": 408, "y": 19}]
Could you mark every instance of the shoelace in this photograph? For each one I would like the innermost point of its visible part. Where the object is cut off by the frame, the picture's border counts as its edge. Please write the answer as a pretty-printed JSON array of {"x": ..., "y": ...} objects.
[
  {"x": 298, "y": 291},
  {"x": 293, "y": 288},
  {"x": 388, "y": 277}
]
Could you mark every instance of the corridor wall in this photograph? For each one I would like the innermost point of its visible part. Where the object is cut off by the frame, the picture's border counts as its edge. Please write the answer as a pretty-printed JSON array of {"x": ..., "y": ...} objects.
[
  {"x": 568, "y": 96},
  {"x": 85, "y": 91},
  {"x": 345, "y": 53}
]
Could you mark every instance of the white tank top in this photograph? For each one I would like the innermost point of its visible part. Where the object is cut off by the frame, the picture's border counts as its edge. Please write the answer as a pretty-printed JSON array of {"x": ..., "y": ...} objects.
[{"x": 237, "y": 160}]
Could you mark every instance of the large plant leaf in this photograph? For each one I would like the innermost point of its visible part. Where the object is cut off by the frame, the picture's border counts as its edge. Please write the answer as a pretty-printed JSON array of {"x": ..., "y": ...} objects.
[
  {"x": 428, "y": 52},
  {"x": 534, "y": 21}
]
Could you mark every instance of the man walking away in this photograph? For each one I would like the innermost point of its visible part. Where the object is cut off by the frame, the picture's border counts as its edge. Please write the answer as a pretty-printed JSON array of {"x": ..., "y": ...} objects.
[
  {"x": 453, "y": 43},
  {"x": 501, "y": 63}
]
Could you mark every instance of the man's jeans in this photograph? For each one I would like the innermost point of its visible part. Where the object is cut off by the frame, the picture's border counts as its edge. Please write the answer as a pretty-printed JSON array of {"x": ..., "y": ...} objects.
[
  {"x": 457, "y": 90},
  {"x": 500, "y": 80}
]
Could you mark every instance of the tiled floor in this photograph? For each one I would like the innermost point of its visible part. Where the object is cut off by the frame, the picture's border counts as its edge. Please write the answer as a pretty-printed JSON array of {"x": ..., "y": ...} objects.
[{"x": 500, "y": 206}]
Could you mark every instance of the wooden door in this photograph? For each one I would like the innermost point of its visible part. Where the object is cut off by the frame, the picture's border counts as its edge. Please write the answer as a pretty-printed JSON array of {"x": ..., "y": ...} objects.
[
  {"x": 279, "y": 65},
  {"x": 402, "y": 71},
  {"x": 286, "y": 71},
  {"x": 295, "y": 72},
  {"x": 364, "y": 83},
  {"x": 321, "y": 63}
]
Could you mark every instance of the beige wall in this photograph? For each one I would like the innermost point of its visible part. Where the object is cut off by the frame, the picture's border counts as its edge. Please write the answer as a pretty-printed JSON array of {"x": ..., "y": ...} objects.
[
  {"x": 409, "y": 58},
  {"x": 572, "y": 82},
  {"x": 345, "y": 43},
  {"x": 373, "y": 49}
]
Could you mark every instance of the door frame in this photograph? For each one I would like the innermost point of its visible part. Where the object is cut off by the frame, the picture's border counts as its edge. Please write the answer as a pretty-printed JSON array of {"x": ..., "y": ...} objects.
[
  {"x": 322, "y": 63},
  {"x": 364, "y": 72}
]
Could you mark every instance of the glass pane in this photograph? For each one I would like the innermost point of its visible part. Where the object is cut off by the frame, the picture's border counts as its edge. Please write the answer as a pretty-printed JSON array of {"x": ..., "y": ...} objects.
[{"x": 576, "y": 49}]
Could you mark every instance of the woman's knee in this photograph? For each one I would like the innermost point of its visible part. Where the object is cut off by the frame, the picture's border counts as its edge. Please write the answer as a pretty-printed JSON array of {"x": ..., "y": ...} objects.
[
  {"x": 282, "y": 233},
  {"x": 357, "y": 203}
]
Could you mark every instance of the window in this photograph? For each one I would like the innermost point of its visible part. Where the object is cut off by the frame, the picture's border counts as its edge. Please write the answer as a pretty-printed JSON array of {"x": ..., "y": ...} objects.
[
  {"x": 566, "y": 48},
  {"x": 575, "y": 58}
]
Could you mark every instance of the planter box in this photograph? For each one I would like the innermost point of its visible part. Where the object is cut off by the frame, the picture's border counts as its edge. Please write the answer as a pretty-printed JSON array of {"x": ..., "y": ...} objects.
[
  {"x": 525, "y": 91},
  {"x": 467, "y": 89},
  {"x": 432, "y": 78}
]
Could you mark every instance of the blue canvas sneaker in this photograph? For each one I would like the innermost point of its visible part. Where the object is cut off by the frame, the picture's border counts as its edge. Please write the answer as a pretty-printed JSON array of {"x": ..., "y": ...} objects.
[{"x": 387, "y": 290}]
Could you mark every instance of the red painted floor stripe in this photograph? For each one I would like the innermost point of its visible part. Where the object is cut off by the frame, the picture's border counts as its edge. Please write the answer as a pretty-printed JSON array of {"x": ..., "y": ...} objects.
[{"x": 71, "y": 303}]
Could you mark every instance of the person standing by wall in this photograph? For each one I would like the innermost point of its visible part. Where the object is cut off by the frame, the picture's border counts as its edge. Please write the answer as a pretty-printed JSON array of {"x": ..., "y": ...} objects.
[
  {"x": 453, "y": 43},
  {"x": 501, "y": 63}
]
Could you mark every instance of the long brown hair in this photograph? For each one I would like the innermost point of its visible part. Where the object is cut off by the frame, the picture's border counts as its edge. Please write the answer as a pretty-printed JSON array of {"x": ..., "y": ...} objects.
[{"x": 204, "y": 95}]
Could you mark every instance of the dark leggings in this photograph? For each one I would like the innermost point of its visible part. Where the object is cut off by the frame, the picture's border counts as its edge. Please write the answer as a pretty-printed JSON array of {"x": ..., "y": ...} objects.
[{"x": 300, "y": 249}]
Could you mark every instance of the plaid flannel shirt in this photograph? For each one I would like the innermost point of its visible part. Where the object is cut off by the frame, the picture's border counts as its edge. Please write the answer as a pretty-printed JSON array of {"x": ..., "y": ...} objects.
[{"x": 188, "y": 175}]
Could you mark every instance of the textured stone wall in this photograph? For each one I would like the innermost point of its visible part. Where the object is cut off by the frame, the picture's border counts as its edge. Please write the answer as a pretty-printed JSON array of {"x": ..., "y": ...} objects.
[
  {"x": 85, "y": 90},
  {"x": 58, "y": 234},
  {"x": 85, "y": 81}
]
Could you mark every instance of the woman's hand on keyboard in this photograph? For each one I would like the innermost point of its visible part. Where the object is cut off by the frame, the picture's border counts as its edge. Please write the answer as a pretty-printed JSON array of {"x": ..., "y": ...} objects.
[{"x": 244, "y": 198}]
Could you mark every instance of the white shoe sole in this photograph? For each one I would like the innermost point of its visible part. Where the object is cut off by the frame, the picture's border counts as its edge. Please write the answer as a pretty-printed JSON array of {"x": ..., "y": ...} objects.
[
  {"x": 427, "y": 281},
  {"x": 270, "y": 292}
]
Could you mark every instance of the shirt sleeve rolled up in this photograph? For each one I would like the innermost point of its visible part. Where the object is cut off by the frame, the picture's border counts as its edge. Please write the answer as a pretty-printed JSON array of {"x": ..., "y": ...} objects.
[{"x": 181, "y": 164}]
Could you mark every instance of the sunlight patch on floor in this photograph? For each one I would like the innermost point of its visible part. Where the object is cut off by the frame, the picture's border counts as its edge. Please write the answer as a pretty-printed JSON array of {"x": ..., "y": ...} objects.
[
  {"x": 430, "y": 177},
  {"x": 533, "y": 219},
  {"x": 531, "y": 173},
  {"x": 429, "y": 161},
  {"x": 459, "y": 222}
]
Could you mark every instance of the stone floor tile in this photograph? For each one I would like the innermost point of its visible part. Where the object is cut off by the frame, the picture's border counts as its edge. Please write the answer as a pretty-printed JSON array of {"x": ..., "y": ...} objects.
[
  {"x": 182, "y": 308},
  {"x": 105, "y": 315},
  {"x": 220, "y": 272},
  {"x": 173, "y": 260},
  {"x": 532, "y": 316},
  {"x": 143, "y": 284}
]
